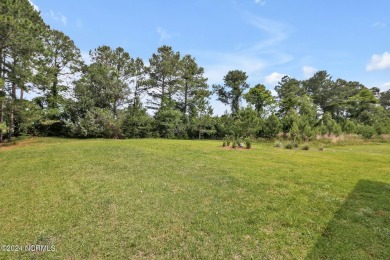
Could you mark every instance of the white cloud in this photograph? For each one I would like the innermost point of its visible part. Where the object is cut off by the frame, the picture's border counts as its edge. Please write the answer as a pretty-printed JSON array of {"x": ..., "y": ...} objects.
[
  {"x": 85, "y": 56},
  {"x": 34, "y": 6},
  {"x": 260, "y": 2},
  {"x": 308, "y": 71},
  {"x": 222, "y": 63},
  {"x": 63, "y": 19},
  {"x": 385, "y": 86},
  {"x": 382, "y": 86},
  {"x": 379, "y": 62},
  {"x": 274, "y": 78},
  {"x": 163, "y": 34},
  {"x": 57, "y": 16},
  {"x": 218, "y": 107}
]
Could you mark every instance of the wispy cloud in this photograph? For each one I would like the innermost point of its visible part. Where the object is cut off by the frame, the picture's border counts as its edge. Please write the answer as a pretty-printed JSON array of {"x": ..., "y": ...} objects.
[
  {"x": 274, "y": 32},
  {"x": 57, "y": 16},
  {"x": 221, "y": 63},
  {"x": 34, "y": 6},
  {"x": 163, "y": 34},
  {"x": 260, "y": 2},
  {"x": 308, "y": 71},
  {"x": 379, "y": 25},
  {"x": 379, "y": 62},
  {"x": 253, "y": 59}
]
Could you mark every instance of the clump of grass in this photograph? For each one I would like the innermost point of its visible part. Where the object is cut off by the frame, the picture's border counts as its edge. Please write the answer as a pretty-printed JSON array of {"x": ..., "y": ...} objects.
[
  {"x": 224, "y": 144},
  {"x": 234, "y": 145},
  {"x": 278, "y": 144},
  {"x": 306, "y": 147},
  {"x": 322, "y": 148},
  {"x": 289, "y": 146}
]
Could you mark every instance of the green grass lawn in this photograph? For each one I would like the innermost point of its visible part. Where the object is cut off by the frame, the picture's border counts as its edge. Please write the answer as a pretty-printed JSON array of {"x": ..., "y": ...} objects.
[{"x": 193, "y": 199}]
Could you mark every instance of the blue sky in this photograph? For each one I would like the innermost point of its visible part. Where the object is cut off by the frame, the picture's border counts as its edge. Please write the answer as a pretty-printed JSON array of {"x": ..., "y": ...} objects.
[{"x": 265, "y": 38}]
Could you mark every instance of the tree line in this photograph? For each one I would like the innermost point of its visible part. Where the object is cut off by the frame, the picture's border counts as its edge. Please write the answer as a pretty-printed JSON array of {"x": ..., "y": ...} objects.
[{"x": 111, "y": 96}]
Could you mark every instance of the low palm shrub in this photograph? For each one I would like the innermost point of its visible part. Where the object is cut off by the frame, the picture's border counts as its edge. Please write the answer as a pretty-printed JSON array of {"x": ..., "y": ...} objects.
[{"x": 248, "y": 143}]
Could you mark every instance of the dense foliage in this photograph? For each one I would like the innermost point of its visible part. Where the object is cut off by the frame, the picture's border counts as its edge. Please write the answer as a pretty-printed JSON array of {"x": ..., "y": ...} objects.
[{"x": 118, "y": 96}]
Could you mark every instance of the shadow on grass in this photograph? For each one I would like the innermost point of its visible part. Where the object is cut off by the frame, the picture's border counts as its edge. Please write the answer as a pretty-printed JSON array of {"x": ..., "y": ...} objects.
[{"x": 360, "y": 229}]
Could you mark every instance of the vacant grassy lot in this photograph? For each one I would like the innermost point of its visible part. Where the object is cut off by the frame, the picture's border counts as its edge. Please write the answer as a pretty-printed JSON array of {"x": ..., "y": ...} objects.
[{"x": 193, "y": 199}]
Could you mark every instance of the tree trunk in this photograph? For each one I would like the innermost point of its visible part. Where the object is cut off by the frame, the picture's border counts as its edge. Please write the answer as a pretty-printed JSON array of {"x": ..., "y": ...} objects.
[
  {"x": 114, "y": 107},
  {"x": 54, "y": 93},
  {"x": 1, "y": 119},
  {"x": 21, "y": 93},
  {"x": 162, "y": 92},
  {"x": 12, "y": 112},
  {"x": 11, "y": 122},
  {"x": 135, "y": 95},
  {"x": 2, "y": 61},
  {"x": 185, "y": 101}
]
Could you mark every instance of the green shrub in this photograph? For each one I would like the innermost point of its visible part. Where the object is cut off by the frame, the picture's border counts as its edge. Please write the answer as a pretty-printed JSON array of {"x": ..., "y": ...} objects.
[
  {"x": 294, "y": 132},
  {"x": 306, "y": 147},
  {"x": 321, "y": 147},
  {"x": 3, "y": 128},
  {"x": 223, "y": 144},
  {"x": 278, "y": 144},
  {"x": 308, "y": 133},
  {"x": 138, "y": 124},
  {"x": 349, "y": 127},
  {"x": 366, "y": 131},
  {"x": 289, "y": 146},
  {"x": 248, "y": 143},
  {"x": 234, "y": 145}
]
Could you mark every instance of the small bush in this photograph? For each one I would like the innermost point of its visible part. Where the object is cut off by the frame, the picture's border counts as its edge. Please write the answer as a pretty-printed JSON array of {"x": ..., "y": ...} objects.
[
  {"x": 349, "y": 127},
  {"x": 289, "y": 146},
  {"x": 321, "y": 147},
  {"x": 234, "y": 145},
  {"x": 366, "y": 131},
  {"x": 224, "y": 144},
  {"x": 228, "y": 143},
  {"x": 306, "y": 147},
  {"x": 248, "y": 143},
  {"x": 278, "y": 144},
  {"x": 295, "y": 145}
]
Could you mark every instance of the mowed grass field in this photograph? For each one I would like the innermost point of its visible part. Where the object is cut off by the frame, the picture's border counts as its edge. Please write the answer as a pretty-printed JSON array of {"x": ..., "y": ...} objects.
[{"x": 154, "y": 198}]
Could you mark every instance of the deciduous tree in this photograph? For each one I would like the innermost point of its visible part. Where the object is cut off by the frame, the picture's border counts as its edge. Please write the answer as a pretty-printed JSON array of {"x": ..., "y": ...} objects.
[{"x": 259, "y": 97}]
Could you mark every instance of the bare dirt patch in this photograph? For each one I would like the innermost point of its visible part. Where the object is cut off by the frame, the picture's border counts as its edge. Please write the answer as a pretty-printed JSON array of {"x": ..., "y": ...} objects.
[{"x": 14, "y": 144}]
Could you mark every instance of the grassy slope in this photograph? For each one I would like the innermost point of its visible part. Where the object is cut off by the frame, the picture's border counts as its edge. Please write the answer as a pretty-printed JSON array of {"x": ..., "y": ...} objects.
[{"x": 194, "y": 199}]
